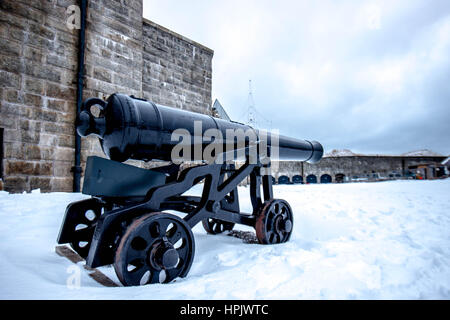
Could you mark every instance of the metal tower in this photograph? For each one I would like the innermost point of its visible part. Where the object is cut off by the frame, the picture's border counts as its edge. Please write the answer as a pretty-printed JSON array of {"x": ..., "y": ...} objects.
[{"x": 251, "y": 112}]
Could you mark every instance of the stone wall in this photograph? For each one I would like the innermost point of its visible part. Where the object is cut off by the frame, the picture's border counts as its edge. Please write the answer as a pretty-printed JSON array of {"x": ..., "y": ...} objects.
[
  {"x": 177, "y": 71},
  {"x": 351, "y": 166},
  {"x": 38, "y": 66},
  {"x": 37, "y": 83}
]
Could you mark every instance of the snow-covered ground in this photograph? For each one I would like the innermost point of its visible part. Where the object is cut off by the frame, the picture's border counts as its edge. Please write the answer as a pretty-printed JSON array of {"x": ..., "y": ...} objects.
[{"x": 385, "y": 240}]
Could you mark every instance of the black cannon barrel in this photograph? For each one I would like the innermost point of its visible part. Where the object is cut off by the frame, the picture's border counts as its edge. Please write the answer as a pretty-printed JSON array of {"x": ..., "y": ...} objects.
[{"x": 132, "y": 128}]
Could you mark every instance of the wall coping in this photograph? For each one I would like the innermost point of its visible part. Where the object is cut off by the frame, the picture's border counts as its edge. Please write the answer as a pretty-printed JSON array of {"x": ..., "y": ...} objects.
[
  {"x": 177, "y": 35},
  {"x": 384, "y": 156}
]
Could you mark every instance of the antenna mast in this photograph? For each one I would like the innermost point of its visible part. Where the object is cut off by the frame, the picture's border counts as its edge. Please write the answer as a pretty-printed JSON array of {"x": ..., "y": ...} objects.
[{"x": 251, "y": 112}]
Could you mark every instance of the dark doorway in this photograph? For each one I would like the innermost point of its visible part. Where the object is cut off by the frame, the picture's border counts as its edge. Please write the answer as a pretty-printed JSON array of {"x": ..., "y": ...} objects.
[
  {"x": 283, "y": 180},
  {"x": 311, "y": 179},
  {"x": 297, "y": 179},
  {"x": 339, "y": 178},
  {"x": 440, "y": 171},
  {"x": 325, "y": 178}
]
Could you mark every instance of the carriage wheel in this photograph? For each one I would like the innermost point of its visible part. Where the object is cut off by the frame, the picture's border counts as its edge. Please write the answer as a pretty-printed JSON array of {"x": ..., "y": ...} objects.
[
  {"x": 274, "y": 222},
  {"x": 216, "y": 226},
  {"x": 156, "y": 248}
]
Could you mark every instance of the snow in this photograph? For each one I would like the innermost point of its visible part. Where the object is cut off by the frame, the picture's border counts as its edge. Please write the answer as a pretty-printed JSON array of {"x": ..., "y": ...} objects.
[
  {"x": 421, "y": 153},
  {"x": 340, "y": 153},
  {"x": 349, "y": 153},
  {"x": 383, "y": 240}
]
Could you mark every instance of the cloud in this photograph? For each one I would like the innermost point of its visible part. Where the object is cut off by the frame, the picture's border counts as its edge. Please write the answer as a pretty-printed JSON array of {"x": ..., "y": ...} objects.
[{"x": 369, "y": 76}]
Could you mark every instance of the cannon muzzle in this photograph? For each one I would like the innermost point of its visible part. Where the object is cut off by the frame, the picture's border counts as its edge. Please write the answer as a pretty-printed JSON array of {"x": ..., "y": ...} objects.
[{"x": 132, "y": 128}]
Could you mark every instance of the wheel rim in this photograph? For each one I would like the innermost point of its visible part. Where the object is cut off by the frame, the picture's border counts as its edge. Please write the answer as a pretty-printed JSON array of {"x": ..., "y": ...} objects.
[
  {"x": 156, "y": 248},
  {"x": 216, "y": 226},
  {"x": 274, "y": 222}
]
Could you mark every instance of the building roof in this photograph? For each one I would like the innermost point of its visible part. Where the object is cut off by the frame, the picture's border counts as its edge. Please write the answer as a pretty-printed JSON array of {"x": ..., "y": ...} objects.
[
  {"x": 348, "y": 153},
  {"x": 220, "y": 111}
]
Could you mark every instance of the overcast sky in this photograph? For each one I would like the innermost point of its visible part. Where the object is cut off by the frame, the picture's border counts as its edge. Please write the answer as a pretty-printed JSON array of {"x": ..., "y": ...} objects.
[{"x": 370, "y": 76}]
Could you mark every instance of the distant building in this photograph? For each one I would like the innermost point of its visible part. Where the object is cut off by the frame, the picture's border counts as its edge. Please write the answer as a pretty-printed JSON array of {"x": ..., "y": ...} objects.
[
  {"x": 339, "y": 166},
  {"x": 345, "y": 166},
  {"x": 219, "y": 112}
]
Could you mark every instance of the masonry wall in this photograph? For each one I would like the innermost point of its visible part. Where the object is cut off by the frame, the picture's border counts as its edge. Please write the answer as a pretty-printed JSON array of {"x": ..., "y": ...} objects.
[
  {"x": 350, "y": 166},
  {"x": 38, "y": 66},
  {"x": 176, "y": 71},
  {"x": 37, "y": 90}
]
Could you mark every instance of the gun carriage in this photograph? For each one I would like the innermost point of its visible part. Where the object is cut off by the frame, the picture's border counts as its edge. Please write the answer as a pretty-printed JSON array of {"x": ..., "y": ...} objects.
[{"x": 126, "y": 221}]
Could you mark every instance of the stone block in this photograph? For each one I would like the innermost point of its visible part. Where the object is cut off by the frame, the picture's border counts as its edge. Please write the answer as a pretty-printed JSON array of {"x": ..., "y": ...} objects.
[
  {"x": 102, "y": 74},
  {"x": 58, "y": 105},
  {"x": 15, "y": 184},
  {"x": 42, "y": 183},
  {"x": 62, "y": 168},
  {"x": 22, "y": 10},
  {"x": 10, "y": 80},
  {"x": 60, "y": 92},
  {"x": 64, "y": 154},
  {"x": 65, "y": 140},
  {"x": 62, "y": 184},
  {"x": 10, "y": 48},
  {"x": 8, "y": 121},
  {"x": 33, "y": 86},
  {"x": 48, "y": 139},
  {"x": 13, "y": 96},
  {"x": 58, "y": 128},
  {"x": 32, "y": 100}
]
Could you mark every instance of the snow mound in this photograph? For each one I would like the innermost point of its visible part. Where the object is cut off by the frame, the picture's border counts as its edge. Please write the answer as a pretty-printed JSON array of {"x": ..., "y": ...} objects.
[{"x": 422, "y": 153}]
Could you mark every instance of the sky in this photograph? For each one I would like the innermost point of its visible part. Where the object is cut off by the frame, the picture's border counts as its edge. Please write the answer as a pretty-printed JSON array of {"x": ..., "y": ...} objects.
[{"x": 369, "y": 76}]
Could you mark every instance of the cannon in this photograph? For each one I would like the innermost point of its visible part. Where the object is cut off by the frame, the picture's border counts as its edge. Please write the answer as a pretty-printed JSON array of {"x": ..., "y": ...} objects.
[{"x": 140, "y": 219}]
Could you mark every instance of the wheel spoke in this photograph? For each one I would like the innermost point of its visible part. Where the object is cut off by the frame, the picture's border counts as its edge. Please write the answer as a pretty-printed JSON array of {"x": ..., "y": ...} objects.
[
  {"x": 164, "y": 223},
  {"x": 172, "y": 230},
  {"x": 218, "y": 227},
  {"x": 133, "y": 254},
  {"x": 134, "y": 277},
  {"x": 176, "y": 236},
  {"x": 277, "y": 238},
  {"x": 184, "y": 250},
  {"x": 276, "y": 208},
  {"x": 154, "y": 230},
  {"x": 154, "y": 277},
  {"x": 271, "y": 224},
  {"x": 271, "y": 236},
  {"x": 283, "y": 212},
  {"x": 270, "y": 217},
  {"x": 171, "y": 274}
]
